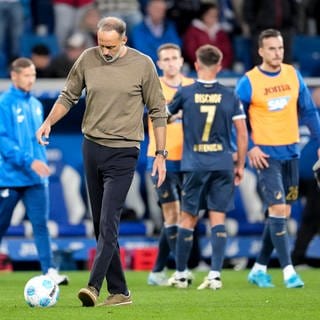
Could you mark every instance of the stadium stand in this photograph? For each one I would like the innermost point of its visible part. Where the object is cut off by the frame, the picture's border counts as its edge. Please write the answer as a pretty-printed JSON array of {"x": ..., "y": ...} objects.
[
  {"x": 3, "y": 65},
  {"x": 307, "y": 55},
  {"x": 29, "y": 40},
  {"x": 242, "y": 48}
]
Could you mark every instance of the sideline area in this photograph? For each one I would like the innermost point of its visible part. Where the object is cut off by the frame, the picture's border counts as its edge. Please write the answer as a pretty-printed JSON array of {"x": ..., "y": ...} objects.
[{"x": 76, "y": 238}]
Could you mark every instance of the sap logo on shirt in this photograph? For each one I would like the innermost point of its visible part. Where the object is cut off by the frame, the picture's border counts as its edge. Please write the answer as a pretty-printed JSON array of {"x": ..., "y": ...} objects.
[{"x": 277, "y": 104}]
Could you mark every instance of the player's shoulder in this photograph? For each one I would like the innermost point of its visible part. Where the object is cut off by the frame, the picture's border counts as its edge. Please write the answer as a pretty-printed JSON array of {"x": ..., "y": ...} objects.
[
  {"x": 186, "y": 92},
  {"x": 6, "y": 98},
  {"x": 3, "y": 96},
  {"x": 224, "y": 89},
  {"x": 290, "y": 70},
  {"x": 187, "y": 87},
  {"x": 242, "y": 82},
  {"x": 34, "y": 100},
  {"x": 288, "y": 66},
  {"x": 187, "y": 81}
]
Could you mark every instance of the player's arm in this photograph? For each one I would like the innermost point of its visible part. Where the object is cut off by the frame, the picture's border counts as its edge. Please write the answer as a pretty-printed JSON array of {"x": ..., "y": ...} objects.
[
  {"x": 174, "y": 109},
  {"x": 308, "y": 111},
  {"x": 242, "y": 147},
  {"x": 243, "y": 91},
  {"x": 11, "y": 151},
  {"x": 257, "y": 158}
]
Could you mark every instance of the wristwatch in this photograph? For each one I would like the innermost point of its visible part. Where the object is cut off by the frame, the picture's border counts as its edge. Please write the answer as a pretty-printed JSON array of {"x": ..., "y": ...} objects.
[{"x": 163, "y": 153}]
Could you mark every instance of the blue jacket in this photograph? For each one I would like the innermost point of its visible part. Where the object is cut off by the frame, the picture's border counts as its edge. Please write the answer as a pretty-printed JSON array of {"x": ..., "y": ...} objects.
[{"x": 21, "y": 115}]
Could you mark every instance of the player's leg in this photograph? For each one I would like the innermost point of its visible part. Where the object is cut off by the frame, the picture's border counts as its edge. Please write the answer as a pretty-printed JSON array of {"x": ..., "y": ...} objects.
[
  {"x": 271, "y": 187},
  {"x": 280, "y": 240},
  {"x": 290, "y": 172},
  {"x": 258, "y": 274},
  {"x": 183, "y": 249},
  {"x": 36, "y": 201},
  {"x": 9, "y": 198},
  {"x": 158, "y": 277},
  {"x": 169, "y": 199},
  {"x": 280, "y": 190},
  {"x": 220, "y": 199},
  {"x": 218, "y": 241},
  {"x": 193, "y": 187}
]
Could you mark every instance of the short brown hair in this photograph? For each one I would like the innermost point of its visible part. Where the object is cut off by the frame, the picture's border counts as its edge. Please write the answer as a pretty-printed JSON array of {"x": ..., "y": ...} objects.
[
  {"x": 166, "y": 46},
  {"x": 209, "y": 55},
  {"x": 21, "y": 63},
  {"x": 268, "y": 33}
]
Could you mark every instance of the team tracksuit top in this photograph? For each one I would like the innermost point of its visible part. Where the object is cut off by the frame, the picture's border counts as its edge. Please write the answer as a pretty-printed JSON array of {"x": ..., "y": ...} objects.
[{"x": 21, "y": 115}]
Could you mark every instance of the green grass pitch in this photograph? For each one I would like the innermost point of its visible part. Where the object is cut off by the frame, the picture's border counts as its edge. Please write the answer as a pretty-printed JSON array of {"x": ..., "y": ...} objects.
[{"x": 237, "y": 299}]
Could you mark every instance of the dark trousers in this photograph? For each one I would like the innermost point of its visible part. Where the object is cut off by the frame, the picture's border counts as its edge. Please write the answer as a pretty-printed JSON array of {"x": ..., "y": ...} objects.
[
  {"x": 109, "y": 173},
  {"x": 310, "y": 221}
]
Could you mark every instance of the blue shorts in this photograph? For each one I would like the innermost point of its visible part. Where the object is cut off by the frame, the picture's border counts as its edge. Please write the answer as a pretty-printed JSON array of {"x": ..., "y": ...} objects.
[
  {"x": 213, "y": 190},
  {"x": 280, "y": 182},
  {"x": 170, "y": 190}
]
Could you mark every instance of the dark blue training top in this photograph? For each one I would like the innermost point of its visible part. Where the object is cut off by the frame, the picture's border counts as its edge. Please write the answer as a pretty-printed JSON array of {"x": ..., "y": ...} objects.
[{"x": 209, "y": 109}]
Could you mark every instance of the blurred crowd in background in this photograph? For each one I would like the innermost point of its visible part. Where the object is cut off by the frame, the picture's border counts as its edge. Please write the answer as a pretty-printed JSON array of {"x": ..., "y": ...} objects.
[{"x": 55, "y": 32}]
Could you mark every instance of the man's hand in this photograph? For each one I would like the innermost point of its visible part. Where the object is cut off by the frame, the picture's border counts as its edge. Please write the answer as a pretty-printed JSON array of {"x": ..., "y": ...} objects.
[
  {"x": 257, "y": 158},
  {"x": 40, "y": 168},
  {"x": 174, "y": 117},
  {"x": 159, "y": 166},
  {"x": 43, "y": 133},
  {"x": 238, "y": 175}
]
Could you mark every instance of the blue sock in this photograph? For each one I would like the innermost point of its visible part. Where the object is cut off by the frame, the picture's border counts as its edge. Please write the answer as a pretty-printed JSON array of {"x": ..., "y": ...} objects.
[
  {"x": 184, "y": 245},
  {"x": 280, "y": 240},
  {"x": 267, "y": 245},
  {"x": 218, "y": 243},
  {"x": 171, "y": 234},
  {"x": 163, "y": 252}
]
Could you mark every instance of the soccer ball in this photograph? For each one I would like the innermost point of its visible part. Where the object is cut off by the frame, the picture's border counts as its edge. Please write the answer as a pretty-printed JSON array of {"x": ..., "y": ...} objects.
[{"x": 41, "y": 291}]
